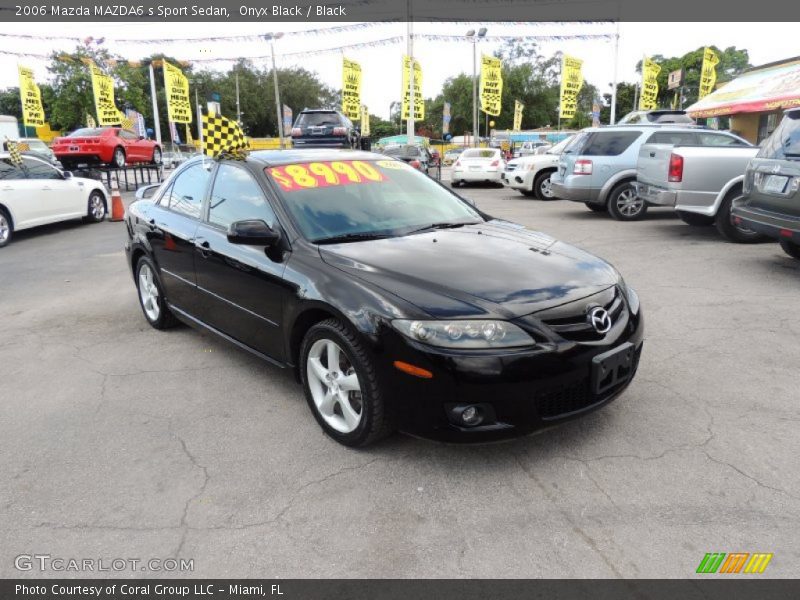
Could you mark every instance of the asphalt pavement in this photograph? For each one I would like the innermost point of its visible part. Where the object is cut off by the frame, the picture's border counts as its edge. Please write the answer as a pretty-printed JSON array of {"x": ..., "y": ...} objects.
[{"x": 119, "y": 441}]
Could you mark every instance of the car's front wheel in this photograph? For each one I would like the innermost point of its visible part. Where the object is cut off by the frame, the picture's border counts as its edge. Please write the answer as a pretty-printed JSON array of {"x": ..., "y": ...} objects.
[
  {"x": 791, "y": 248},
  {"x": 6, "y": 230},
  {"x": 341, "y": 386},
  {"x": 731, "y": 231},
  {"x": 96, "y": 210},
  {"x": 157, "y": 156},
  {"x": 624, "y": 204},
  {"x": 151, "y": 296},
  {"x": 542, "y": 186}
]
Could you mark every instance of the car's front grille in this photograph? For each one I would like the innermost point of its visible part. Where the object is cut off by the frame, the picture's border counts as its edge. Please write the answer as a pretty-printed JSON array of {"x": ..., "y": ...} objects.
[{"x": 576, "y": 327}]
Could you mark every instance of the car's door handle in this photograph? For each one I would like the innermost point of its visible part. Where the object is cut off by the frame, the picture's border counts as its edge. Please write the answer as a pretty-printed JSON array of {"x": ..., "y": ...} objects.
[
  {"x": 652, "y": 155},
  {"x": 47, "y": 188},
  {"x": 203, "y": 247}
]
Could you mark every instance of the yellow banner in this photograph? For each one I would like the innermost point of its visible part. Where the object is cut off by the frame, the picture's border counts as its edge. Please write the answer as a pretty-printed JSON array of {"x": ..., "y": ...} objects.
[
  {"x": 708, "y": 74},
  {"x": 648, "y": 100},
  {"x": 518, "y": 108},
  {"x": 103, "y": 87},
  {"x": 364, "y": 121},
  {"x": 351, "y": 89},
  {"x": 179, "y": 107},
  {"x": 491, "y": 85},
  {"x": 419, "y": 102},
  {"x": 571, "y": 84},
  {"x": 32, "y": 110}
]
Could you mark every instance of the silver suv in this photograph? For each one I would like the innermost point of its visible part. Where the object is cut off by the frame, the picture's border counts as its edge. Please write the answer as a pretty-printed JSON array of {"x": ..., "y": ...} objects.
[{"x": 599, "y": 166}]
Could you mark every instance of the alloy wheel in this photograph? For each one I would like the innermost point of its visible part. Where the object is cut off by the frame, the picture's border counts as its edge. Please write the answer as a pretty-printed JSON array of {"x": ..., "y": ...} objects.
[
  {"x": 546, "y": 188},
  {"x": 148, "y": 293},
  {"x": 97, "y": 207},
  {"x": 5, "y": 228},
  {"x": 334, "y": 385},
  {"x": 628, "y": 203}
]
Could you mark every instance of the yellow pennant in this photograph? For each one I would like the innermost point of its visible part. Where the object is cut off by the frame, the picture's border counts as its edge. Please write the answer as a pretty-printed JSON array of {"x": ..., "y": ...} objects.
[
  {"x": 491, "y": 92},
  {"x": 419, "y": 102},
  {"x": 351, "y": 89},
  {"x": 32, "y": 110},
  {"x": 571, "y": 84},
  {"x": 103, "y": 88},
  {"x": 518, "y": 108},
  {"x": 179, "y": 107},
  {"x": 708, "y": 74},
  {"x": 648, "y": 100}
]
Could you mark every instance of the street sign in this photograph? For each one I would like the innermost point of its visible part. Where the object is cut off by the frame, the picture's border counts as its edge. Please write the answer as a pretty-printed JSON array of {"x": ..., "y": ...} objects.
[{"x": 675, "y": 79}]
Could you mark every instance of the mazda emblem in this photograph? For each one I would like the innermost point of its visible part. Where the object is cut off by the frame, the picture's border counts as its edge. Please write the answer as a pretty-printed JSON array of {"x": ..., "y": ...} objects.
[{"x": 599, "y": 318}]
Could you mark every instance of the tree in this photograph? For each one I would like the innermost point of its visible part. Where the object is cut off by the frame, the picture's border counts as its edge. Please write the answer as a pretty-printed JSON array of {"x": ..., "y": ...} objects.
[{"x": 625, "y": 94}]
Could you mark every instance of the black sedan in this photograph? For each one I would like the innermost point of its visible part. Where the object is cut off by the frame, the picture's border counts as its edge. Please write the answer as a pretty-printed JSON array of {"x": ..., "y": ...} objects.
[{"x": 397, "y": 303}]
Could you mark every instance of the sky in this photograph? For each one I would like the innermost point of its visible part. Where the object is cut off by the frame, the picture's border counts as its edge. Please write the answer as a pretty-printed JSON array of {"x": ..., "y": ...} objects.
[{"x": 381, "y": 65}]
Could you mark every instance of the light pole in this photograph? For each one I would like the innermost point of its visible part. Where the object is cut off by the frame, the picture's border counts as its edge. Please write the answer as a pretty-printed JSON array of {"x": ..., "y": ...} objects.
[
  {"x": 399, "y": 115},
  {"x": 271, "y": 37},
  {"x": 472, "y": 35}
]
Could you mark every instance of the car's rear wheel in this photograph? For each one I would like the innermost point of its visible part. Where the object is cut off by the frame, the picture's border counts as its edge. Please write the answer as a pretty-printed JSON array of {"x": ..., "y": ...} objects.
[
  {"x": 732, "y": 232},
  {"x": 6, "y": 228},
  {"x": 341, "y": 386},
  {"x": 598, "y": 208},
  {"x": 694, "y": 219},
  {"x": 156, "y": 156},
  {"x": 151, "y": 296},
  {"x": 791, "y": 248},
  {"x": 118, "y": 159},
  {"x": 542, "y": 186},
  {"x": 624, "y": 204},
  {"x": 96, "y": 210}
]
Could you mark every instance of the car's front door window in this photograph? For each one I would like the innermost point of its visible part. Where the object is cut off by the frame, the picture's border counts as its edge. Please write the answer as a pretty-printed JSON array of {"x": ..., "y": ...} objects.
[
  {"x": 237, "y": 197},
  {"x": 186, "y": 195},
  {"x": 39, "y": 170}
]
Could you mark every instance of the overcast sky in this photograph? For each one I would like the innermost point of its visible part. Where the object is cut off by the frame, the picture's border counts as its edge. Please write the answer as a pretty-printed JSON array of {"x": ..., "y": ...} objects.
[{"x": 381, "y": 65}]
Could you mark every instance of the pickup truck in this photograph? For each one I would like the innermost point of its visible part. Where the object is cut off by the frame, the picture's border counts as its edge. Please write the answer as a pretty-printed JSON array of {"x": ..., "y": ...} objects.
[{"x": 700, "y": 182}]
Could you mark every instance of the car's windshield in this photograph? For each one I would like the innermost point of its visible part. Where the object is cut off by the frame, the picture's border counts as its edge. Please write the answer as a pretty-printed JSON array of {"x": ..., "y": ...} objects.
[
  {"x": 87, "y": 132},
  {"x": 331, "y": 199},
  {"x": 560, "y": 146},
  {"x": 785, "y": 140},
  {"x": 406, "y": 151}
]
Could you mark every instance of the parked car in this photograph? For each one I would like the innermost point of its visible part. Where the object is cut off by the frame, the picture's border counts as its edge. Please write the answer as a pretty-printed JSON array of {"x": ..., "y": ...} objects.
[
  {"x": 323, "y": 128},
  {"x": 451, "y": 155},
  {"x": 365, "y": 285},
  {"x": 770, "y": 203},
  {"x": 699, "y": 173},
  {"x": 531, "y": 148},
  {"x": 599, "y": 168},
  {"x": 530, "y": 175},
  {"x": 478, "y": 164},
  {"x": 37, "y": 194},
  {"x": 106, "y": 146},
  {"x": 173, "y": 159},
  {"x": 36, "y": 148},
  {"x": 661, "y": 116},
  {"x": 416, "y": 156}
]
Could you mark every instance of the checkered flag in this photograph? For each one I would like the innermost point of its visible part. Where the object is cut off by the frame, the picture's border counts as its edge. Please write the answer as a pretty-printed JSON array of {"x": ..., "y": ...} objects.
[
  {"x": 221, "y": 136},
  {"x": 128, "y": 123},
  {"x": 14, "y": 153}
]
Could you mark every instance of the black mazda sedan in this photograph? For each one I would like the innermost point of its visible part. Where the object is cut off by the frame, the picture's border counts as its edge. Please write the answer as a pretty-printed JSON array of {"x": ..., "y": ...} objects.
[{"x": 398, "y": 304}]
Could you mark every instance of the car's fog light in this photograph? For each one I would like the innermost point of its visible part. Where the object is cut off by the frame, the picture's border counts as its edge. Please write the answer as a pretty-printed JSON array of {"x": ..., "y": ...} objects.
[{"x": 471, "y": 416}]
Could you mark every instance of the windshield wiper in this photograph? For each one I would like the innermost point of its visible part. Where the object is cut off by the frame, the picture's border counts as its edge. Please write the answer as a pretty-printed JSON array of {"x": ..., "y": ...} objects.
[
  {"x": 351, "y": 237},
  {"x": 439, "y": 226}
]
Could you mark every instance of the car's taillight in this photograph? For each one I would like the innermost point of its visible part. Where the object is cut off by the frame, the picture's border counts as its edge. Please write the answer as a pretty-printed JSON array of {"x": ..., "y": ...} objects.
[
  {"x": 495, "y": 163},
  {"x": 415, "y": 163},
  {"x": 296, "y": 131},
  {"x": 582, "y": 167},
  {"x": 675, "y": 168},
  {"x": 339, "y": 131}
]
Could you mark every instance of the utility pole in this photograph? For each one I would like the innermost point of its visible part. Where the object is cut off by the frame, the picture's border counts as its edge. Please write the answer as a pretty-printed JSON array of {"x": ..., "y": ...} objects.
[
  {"x": 411, "y": 80},
  {"x": 238, "y": 111},
  {"x": 614, "y": 88},
  {"x": 272, "y": 37},
  {"x": 155, "y": 102}
]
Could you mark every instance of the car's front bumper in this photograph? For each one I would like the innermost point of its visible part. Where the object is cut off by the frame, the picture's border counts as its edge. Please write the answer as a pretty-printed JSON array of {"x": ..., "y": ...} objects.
[
  {"x": 775, "y": 225},
  {"x": 521, "y": 391},
  {"x": 517, "y": 179}
]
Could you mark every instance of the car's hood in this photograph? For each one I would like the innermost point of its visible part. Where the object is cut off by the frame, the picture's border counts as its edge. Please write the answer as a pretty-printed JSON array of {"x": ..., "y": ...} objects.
[{"x": 494, "y": 269}]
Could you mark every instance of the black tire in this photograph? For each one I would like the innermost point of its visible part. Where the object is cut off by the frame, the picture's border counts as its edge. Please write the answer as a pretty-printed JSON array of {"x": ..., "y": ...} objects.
[
  {"x": 541, "y": 186},
  {"x": 598, "y": 208},
  {"x": 97, "y": 208},
  {"x": 728, "y": 229},
  {"x": 791, "y": 248},
  {"x": 528, "y": 193},
  {"x": 165, "y": 319},
  {"x": 118, "y": 159},
  {"x": 455, "y": 183},
  {"x": 694, "y": 219},
  {"x": 157, "y": 156},
  {"x": 624, "y": 205},
  {"x": 375, "y": 420},
  {"x": 6, "y": 228}
]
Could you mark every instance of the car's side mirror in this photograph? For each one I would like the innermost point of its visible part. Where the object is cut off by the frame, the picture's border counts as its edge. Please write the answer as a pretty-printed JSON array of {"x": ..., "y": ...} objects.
[
  {"x": 66, "y": 174},
  {"x": 147, "y": 191},
  {"x": 253, "y": 232}
]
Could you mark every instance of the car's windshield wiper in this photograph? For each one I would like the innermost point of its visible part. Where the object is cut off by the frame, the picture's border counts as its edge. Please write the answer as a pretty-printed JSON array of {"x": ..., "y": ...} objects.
[
  {"x": 439, "y": 226},
  {"x": 351, "y": 237}
]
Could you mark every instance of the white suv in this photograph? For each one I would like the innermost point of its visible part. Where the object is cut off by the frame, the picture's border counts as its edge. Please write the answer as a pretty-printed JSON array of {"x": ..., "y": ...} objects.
[{"x": 530, "y": 175}]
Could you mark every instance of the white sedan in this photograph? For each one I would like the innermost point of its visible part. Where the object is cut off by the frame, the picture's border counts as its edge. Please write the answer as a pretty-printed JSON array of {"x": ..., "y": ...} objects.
[
  {"x": 530, "y": 175},
  {"x": 478, "y": 164},
  {"x": 37, "y": 194}
]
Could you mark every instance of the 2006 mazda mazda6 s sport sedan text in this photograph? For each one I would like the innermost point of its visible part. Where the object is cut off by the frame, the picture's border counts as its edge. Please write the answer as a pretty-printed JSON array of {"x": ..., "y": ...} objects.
[{"x": 398, "y": 303}]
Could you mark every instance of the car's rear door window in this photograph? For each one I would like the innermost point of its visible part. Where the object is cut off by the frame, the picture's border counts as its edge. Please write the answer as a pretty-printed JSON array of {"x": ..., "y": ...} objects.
[
  {"x": 718, "y": 139},
  {"x": 610, "y": 143},
  {"x": 784, "y": 143},
  {"x": 8, "y": 170},
  {"x": 187, "y": 192},
  {"x": 677, "y": 138}
]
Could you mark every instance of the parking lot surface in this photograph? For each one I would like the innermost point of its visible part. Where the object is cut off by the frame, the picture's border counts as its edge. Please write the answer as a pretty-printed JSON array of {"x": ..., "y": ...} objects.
[{"x": 121, "y": 441}]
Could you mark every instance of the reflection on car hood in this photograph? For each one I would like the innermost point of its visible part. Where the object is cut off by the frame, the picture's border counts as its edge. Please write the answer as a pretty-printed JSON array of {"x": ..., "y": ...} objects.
[{"x": 494, "y": 269}]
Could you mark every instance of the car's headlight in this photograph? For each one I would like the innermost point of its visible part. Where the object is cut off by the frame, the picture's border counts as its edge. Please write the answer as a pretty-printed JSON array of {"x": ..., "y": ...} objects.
[
  {"x": 631, "y": 295},
  {"x": 466, "y": 334},
  {"x": 528, "y": 166}
]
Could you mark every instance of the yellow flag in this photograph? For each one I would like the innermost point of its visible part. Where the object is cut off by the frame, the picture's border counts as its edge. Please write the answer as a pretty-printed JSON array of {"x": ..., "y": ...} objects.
[
  {"x": 491, "y": 85},
  {"x": 518, "y": 108},
  {"x": 32, "y": 110},
  {"x": 179, "y": 107},
  {"x": 571, "y": 84},
  {"x": 419, "y": 103},
  {"x": 364, "y": 121},
  {"x": 708, "y": 74},
  {"x": 103, "y": 87},
  {"x": 351, "y": 89},
  {"x": 648, "y": 100}
]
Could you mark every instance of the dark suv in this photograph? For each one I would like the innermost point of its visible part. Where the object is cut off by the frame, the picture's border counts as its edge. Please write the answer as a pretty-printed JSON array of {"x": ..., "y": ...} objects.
[
  {"x": 324, "y": 128},
  {"x": 771, "y": 201}
]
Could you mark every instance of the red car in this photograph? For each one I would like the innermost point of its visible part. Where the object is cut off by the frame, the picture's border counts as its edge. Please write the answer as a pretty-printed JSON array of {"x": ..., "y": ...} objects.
[{"x": 105, "y": 145}]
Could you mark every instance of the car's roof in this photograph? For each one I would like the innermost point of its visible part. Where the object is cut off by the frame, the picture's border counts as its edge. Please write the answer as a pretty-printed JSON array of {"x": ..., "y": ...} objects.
[
  {"x": 270, "y": 158},
  {"x": 648, "y": 126}
]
